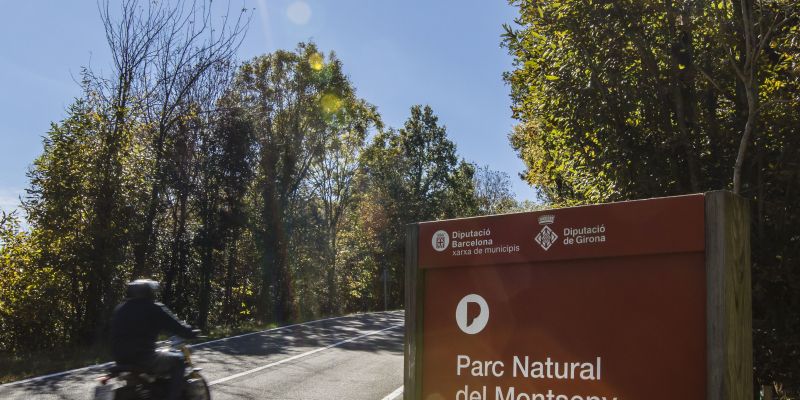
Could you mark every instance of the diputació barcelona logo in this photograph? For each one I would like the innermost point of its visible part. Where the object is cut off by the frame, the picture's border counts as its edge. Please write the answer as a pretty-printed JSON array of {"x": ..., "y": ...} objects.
[{"x": 440, "y": 241}]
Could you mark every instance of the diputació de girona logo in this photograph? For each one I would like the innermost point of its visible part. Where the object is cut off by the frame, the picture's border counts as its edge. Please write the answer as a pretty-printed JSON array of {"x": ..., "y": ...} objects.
[
  {"x": 469, "y": 322},
  {"x": 546, "y": 236},
  {"x": 440, "y": 241}
]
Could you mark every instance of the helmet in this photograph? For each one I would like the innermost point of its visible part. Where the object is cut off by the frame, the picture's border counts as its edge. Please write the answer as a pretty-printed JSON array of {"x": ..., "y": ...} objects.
[{"x": 142, "y": 289}]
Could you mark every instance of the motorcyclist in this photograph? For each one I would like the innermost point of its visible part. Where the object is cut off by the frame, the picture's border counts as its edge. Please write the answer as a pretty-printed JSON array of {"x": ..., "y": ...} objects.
[{"x": 135, "y": 326}]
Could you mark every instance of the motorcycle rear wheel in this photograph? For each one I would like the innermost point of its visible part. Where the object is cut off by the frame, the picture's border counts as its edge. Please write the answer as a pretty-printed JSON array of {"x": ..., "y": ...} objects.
[{"x": 197, "y": 388}]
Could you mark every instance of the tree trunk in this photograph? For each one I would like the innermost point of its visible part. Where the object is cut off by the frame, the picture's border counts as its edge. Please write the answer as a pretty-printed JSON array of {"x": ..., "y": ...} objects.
[
  {"x": 330, "y": 268},
  {"x": 275, "y": 288},
  {"x": 144, "y": 243},
  {"x": 752, "y": 110},
  {"x": 104, "y": 249},
  {"x": 230, "y": 270},
  {"x": 171, "y": 277},
  {"x": 683, "y": 89},
  {"x": 206, "y": 271}
]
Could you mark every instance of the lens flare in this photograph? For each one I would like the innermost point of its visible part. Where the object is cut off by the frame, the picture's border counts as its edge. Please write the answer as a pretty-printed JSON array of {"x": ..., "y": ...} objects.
[
  {"x": 299, "y": 12},
  {"x": 330, "y": 103},
  {"x": 315, "y": 60}
]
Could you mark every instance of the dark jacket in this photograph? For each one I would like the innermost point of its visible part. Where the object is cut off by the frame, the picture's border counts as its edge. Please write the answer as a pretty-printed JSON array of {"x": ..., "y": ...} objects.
[{"x": 135, "y": 326}]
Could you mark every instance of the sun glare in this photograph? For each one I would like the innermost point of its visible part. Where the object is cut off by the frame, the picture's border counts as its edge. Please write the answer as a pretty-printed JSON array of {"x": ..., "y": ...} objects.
[
  {"x": 316, "y": 62},
  {"x": 330, "y": 103},
  {"x": 299, "y": 12}
]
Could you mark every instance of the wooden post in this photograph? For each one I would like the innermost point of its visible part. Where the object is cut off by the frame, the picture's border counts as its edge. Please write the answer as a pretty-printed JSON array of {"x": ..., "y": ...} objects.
[
  {"x": 412, "y": 375},
  {"x": 728, "y": 305}
]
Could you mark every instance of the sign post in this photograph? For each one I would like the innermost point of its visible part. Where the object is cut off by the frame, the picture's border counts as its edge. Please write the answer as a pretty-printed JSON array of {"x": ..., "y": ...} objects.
[{"x": 637, "y": 300}]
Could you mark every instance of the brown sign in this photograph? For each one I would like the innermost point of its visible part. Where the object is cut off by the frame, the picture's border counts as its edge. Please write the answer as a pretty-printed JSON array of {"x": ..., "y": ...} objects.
[
  {"x": 585, "y": 303},
  {"x": 658, "y": 226}
]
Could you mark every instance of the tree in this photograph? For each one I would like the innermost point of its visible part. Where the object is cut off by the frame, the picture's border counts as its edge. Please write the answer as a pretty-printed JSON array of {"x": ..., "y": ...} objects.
[
  {"x": 332, "y": 180},
  {"x": 224, "y": 173},
  {"x": 493, "y": 191},
  {"x": 749, "y": 28},
  {"x": 87, "y": 204},
  {"x": 161, "y": 51},
  {"x": 624, "y": 100},
  {"x": 418, "y": 166},
  {"x": 413, "y": 175},
  {"x": 295, "y": 103},
  {"x": 82, "y": 196},
  {"x": 28, "y": 289}
]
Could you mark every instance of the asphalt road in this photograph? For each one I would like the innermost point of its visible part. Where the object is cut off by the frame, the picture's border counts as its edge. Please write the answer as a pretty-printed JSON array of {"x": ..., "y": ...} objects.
[{"x": 354, "y": 357}]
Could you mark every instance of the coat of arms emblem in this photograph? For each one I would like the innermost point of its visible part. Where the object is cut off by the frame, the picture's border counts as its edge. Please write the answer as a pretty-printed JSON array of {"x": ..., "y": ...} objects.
[{"x": 546, "y": 236}]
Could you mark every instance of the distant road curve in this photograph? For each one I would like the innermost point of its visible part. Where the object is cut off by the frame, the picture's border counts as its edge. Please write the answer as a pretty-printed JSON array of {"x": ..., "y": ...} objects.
[{"x": 351, "y": 357}]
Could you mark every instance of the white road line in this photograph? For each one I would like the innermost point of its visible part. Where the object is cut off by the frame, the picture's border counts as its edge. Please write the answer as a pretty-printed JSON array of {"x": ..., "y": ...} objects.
[
  {"x": 292, "y": 358},
  {"x": 391, "y": 396},
  {"x": 108, "y": 364}
]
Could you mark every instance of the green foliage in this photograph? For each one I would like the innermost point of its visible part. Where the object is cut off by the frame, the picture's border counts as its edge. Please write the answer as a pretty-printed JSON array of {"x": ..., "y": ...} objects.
[
  {"x": 626, "y": 99},
  {"x": 493, "y": 191},
  {"x": 281, "y": 198},
  {"x": 298, "y": 106},
  {"x": 29, "y": 293},
  {"x": 330, "y": 192},
  {"x": 411, "y": 174},
  {"x": 83, "y": 193},
  {"x": 417, "y": 167}
]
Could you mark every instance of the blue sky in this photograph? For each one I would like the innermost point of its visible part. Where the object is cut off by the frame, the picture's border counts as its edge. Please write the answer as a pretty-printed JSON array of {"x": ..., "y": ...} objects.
[{"x": 444, "y": 53}]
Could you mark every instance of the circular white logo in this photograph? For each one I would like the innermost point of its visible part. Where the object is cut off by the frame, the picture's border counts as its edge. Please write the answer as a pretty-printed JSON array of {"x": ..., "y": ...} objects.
[
  {"x": 440, "y": 241},
  {"x": 475, "y": 324}
]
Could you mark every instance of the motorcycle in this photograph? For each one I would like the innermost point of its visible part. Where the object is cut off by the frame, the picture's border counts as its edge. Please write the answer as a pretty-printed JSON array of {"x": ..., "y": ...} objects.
[{"x": 128, "y": 382}]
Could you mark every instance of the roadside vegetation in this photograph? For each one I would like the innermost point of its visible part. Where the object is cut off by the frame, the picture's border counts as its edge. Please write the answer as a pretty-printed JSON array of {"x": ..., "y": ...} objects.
[
  {"x": 266, "y": 191},
  {"x": 258, "y": 192},
  {"x": 621, "y": 100}
]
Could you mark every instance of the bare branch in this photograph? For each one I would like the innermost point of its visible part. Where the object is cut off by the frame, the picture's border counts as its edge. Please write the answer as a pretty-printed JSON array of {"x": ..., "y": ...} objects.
[
  {"x": 714, "y": 83},
  {"x": 161, "y": 51}
]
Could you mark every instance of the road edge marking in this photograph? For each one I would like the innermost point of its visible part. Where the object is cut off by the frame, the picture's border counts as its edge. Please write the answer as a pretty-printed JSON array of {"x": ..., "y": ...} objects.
[
  {"x": 105, "y": 365},
  {"x": 298, "y": 356},
  {"x": 57, "y": 374},
  {"x": 397, "y": 392}
]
